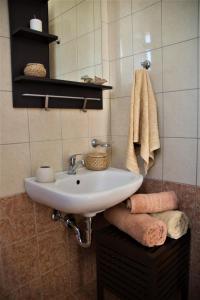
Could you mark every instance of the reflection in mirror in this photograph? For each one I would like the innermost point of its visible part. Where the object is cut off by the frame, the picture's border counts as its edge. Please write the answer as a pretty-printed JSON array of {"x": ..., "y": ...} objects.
[{"x": 78, "y": 26}]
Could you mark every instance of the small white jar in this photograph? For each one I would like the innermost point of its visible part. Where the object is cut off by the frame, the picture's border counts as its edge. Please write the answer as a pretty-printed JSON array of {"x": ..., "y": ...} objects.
[
  {"x": 36, "y": 24},
  {"x": 45, "y": 174}
]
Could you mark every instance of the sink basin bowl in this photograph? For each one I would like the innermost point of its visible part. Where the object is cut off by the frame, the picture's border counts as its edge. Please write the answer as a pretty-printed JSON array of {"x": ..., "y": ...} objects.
[{"x": 87, "y": 192}]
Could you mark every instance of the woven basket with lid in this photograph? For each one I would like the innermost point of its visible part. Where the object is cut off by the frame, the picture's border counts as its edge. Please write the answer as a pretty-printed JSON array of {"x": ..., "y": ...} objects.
[{"x": 97, "y": 161}]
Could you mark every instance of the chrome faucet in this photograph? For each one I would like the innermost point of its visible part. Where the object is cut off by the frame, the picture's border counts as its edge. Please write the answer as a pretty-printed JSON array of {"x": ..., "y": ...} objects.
[
  {"x": 74, "y": 164},
  {"x": 95, "y": 143}
]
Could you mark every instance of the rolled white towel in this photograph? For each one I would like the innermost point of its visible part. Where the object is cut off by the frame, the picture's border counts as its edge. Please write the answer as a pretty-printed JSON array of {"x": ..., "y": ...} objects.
[{"x": 177, "y": 222}]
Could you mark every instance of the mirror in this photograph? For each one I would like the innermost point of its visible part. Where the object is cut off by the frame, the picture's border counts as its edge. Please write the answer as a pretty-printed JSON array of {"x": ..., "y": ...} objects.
[{"x": 78, "y": 26}]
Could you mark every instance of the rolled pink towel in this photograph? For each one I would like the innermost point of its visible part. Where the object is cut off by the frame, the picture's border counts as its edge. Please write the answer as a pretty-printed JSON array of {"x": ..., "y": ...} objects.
[
  {"x": 143, "y": 228},
  {"x": 152, "y": 203}
]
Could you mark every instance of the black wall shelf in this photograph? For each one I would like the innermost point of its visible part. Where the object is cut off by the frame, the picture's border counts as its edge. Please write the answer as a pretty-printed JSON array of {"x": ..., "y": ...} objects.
[
  {"x": 30, "y": 46},
  {"x": 34, "y": 34}
]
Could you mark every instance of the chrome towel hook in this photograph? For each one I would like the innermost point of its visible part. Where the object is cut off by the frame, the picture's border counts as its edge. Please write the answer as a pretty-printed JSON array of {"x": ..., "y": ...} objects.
[{"x": 146, "y": 64}]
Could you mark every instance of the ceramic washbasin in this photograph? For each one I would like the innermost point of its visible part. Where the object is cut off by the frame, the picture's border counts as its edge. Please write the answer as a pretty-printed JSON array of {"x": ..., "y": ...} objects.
[{"x": 87, "y": 192}]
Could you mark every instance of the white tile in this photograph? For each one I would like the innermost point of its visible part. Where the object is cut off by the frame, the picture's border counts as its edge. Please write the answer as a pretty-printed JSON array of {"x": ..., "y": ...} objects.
[
  {"x": 120, "y": 111},
  {"x": 90, "y": 71},
  {"x": 13, "y": 122},
  {"x": 180, "y": 158},
  {"x": 4, "y": 19},
  {"x": 97, "y": 47},
  {"x": 119, "y": 151},
  {"x": 155, "y": 72},
  {"x": 180, "y": 114},
  {"x": 55, "y": 60},
  {"x": 159, "y": 101},
  {"x": 5, "y": 63},
  {"x": 120, "y": 38},
  {"x": 97, "y": 14},
  {"x": 55, "y": 27},
  {"x": 58, "y": 7},
  {"x": 198, "y": 165},
  {"x": 121, "y": 77},
  {"x": 180, "y": 66},
  {"x": 105, "y": 42},
  {"x": 72, "y": 76},
  {"x": 74, "y": 146},
  {"x": 141, "y": 4},
  {"x": 86, "y": 50},
  {"x": 99, "y": 70},
  {"x": 69, "y": 25},
  {"x": 118, "y": 9},
  {"x": 199, "y": 117},
  {"x": 15, "y": 166},
  {"x": 68, "y": 59},
  {"x": 44, "y": 125},
  {"x": 99, "y": 120},
  {"x": 156, "y": 171},
  {"x": 147, "y": 29},
  {"x": 85, "y": 17},
  {"x": 74, "y": 123},
  {"x": 46, "y": 153},
  {"x": 180, "y": 20}
]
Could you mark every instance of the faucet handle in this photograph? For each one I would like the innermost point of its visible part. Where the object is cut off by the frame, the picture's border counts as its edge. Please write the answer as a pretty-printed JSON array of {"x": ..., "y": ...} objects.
[{"x": 72, "y": 158}]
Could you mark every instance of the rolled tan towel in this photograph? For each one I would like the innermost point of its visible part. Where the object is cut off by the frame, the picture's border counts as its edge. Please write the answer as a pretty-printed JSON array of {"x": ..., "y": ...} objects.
[
  {"x": 177, "y": 222},
  {"x": 151, "y": 203},
  {"x": 143, "y": 228}
]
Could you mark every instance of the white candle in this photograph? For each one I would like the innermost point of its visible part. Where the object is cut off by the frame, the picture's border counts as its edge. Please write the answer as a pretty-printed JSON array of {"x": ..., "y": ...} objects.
[{"x": 36, "y": 24}]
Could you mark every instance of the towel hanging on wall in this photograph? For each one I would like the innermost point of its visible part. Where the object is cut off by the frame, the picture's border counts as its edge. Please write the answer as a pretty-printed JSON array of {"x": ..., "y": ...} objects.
[{"x": 143, "y": 129}]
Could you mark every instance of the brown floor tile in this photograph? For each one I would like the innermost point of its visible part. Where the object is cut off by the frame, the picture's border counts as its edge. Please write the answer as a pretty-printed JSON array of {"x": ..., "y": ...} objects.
[
  {"x": 53, "y": 249},
  {"x": 20, "y": 264},
  {"x": 32, "y": 291},
  {"x": 151, "y": 186},
  {"x": 16, "y": 219},
  {"x": 56, "y": 284},
  {"x": 44, "y": 222}
]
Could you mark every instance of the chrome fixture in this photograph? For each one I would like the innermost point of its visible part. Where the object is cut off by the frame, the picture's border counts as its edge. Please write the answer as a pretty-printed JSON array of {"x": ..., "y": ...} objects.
[
  {"x": 46, "y": 97},
  {"x": 69, "y": 222},
  {"x": 74, "y": 165},
  {"x": 146, "y": 64},
  {"x": 95, "y": 143}
]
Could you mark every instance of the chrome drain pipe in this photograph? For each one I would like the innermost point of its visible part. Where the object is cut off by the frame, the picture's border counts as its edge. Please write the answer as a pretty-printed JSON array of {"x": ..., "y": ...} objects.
[{"x": 69, "y": 222}]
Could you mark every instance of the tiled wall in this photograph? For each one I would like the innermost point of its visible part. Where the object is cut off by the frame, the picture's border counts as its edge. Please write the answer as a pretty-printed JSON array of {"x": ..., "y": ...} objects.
[
  {"x": 167, "y": 33},
  {"x": 31, "y": 137}
]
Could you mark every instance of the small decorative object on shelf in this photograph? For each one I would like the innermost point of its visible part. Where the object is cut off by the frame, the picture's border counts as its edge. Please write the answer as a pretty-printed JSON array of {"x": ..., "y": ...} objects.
[
  {"x": 36, "y": 24},
  {"x": 35, "y": 69},
  {"x": 95, "y": 80}
]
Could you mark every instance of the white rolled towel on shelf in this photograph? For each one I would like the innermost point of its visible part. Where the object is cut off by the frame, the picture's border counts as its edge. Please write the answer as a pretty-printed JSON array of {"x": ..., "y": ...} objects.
[{"x": 177, "y": 222}]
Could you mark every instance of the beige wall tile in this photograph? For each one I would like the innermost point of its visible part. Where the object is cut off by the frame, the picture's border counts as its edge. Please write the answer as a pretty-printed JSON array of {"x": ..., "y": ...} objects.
[
  {"x": 156, "y": 171},
  {"x": 180, "y": 160},
  {"x": 118, "y": 9},
  {"x": 180, "y": 114},
  {"x": 121, "y": 77},
  {"x": 147, "y": 29},
  {"x": 85, "y": 17},
  {"x": 119, "y": 149},
  {"x": 13, "y": 121},
  {"x": 15, "y": 166},
  {"x": 180, "y": 20},
  {"x": 73, "y": 146},
  {"x": 58, "y": 7},
  {"x": 74, "y": 123},
  {"x": 120, "y": 111},
  {"x": 120, "y": 38},
  {"x": 180, "y": 66},
  {"x": 99, "y": 120},
  {"x": 44, "y": 125},
  {"x": 97, "y": 47},
  {"x": 68, "y": 57},
  {"x": 5, "y": 60},
  {"x": 97, "y": 14},
  {"x": 141, "y": 4},
  {"x": 46, "y": 153},
  {"x": 85, "y": 46},
  {"x": 69, "y": 25},
  {"x": 4, "y": 19}
]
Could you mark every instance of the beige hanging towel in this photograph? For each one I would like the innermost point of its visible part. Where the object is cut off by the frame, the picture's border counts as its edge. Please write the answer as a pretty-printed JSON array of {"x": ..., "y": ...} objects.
[{"x": 143, "y": 130}]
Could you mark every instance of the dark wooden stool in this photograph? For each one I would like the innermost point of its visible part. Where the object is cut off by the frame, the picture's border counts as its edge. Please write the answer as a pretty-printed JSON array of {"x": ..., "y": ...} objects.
[{"x": 134, "y": 272}]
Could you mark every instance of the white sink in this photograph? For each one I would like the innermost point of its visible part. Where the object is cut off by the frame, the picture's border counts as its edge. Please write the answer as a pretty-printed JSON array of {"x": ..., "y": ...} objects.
[{"x": 87, "y": 192}]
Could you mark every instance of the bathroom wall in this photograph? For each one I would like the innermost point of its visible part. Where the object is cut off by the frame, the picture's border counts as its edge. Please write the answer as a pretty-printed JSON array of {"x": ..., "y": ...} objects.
[
  {"x": 38, "y": 258},
  {"x": 166, "y": 33}
]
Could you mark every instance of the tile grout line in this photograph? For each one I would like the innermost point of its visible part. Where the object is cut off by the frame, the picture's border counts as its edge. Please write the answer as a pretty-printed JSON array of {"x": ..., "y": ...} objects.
[{"x": 163, "y": 106}]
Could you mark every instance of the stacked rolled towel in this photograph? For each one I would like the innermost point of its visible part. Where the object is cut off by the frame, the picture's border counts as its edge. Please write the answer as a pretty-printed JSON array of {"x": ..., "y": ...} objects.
[
  {"x": 147, "y": 230},
  {"x": 152, "y": 203},
  {"x": 176, "y": 221}
]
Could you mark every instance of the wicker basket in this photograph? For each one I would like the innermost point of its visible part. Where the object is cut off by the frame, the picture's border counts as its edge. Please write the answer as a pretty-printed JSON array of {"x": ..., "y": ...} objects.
[
  {"x": 35, "y": 69},
  {"x": 97, "y": 161}
]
